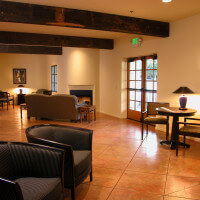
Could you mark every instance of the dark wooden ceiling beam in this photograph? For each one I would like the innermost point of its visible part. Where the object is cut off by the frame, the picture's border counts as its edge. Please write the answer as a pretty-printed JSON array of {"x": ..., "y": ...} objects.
[
  {"x": 54, "y": 40},
  {"x": 66, "y": 17},
  {"x": 21, "y": 49}
]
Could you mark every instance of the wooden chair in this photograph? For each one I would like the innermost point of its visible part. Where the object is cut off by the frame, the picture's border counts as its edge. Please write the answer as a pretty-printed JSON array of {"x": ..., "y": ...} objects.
[
  {"x": 152, "y": 119},
  {"x": 5, "y": 97},
  {"x": 189, "y": 129}
]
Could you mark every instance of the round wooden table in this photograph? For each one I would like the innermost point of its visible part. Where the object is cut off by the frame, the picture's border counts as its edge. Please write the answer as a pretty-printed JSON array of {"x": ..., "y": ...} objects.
[{"x": 175, "y": 113}]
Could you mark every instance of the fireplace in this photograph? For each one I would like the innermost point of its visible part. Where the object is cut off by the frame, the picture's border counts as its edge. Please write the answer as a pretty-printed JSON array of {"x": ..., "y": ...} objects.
[{"x": 83, "y": 95}]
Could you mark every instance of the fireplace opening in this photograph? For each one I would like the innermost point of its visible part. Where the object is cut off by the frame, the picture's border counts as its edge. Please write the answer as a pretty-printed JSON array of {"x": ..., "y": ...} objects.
[{"x": 83, "y": 95}]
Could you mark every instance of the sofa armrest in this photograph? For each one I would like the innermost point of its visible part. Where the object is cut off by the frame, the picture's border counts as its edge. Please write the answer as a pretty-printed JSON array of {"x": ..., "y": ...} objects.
[{"x": 10, "y": 190}]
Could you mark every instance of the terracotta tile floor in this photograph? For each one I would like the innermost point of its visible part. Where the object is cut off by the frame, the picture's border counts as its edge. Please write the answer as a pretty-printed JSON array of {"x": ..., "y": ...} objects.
[{"x": 124, "y": 167}]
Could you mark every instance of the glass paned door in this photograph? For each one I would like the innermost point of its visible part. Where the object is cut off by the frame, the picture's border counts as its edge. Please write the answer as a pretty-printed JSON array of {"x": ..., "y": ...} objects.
[{"x": 142, "y": 85}]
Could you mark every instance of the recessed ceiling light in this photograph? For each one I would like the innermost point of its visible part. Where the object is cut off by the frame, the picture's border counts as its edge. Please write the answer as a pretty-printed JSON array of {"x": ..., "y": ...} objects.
[{"x": 166, "y": 1}]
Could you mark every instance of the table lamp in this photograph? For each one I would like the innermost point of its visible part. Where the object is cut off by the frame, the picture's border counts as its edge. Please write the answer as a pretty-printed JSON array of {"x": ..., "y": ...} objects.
[
  {"x": 20, "y": 89},
  {"x": 183, "y": 98}
]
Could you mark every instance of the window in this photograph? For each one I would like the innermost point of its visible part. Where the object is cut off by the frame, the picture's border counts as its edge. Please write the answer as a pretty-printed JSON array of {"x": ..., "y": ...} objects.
[{"x": 54, "y": 78}]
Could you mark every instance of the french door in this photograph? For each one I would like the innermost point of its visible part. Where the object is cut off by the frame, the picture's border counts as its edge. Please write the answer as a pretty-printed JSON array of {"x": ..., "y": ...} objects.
[{"x": 142, "y": 84}]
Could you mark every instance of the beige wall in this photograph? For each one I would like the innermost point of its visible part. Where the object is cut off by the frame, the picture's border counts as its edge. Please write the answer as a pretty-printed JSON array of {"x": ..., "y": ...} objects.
[
  {"x": 35, "y": 71},
  {"x": 77, "y": 66},
  {"x": 178, "y": 65}
]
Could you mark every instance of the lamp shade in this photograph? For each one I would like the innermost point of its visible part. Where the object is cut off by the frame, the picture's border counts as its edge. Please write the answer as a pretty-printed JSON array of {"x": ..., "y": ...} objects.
[
  {"x": 20, "y": 86},
  {"x": 183, "y": 90},
  {"x": 183, "y": 98}
]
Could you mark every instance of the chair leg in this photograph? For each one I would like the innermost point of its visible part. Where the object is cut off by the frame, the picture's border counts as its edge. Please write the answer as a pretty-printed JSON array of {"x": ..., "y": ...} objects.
[
  {"x": 147, "y": 128},
  {"x": 177, "y": 144},
  {"x": 167, "y": 132},
  {"x": 73, "y": 193},
  {"x": 184, "y": 141},
  {"x": 91, "y": 176},
  {"x": 142, "y": 131}
]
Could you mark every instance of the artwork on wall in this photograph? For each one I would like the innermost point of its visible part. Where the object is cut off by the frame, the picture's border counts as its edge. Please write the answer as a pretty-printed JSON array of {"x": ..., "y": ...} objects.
[{"x": 19, "y": 76}]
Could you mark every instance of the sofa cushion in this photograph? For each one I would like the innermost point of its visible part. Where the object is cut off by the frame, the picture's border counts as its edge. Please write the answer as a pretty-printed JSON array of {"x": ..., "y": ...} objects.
[
  {"x": 82, "y": 161},
  {"x": 40, "y": 188}
]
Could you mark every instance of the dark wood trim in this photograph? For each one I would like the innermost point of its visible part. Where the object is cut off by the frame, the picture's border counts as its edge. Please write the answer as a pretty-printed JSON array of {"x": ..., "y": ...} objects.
[
  {"x": 54, "y": 40},
  {"x": 66, "y": 17},
  {"x": 4, "y": 48}
]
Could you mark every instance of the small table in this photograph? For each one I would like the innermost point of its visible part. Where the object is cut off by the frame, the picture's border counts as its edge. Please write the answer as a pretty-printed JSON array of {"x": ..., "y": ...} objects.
[
  {"x": 88, "y": 110},
  {"x": 22, "y": 106},
  {"x": 20, "y": 99},
  {"x": 175, "y": 113}
]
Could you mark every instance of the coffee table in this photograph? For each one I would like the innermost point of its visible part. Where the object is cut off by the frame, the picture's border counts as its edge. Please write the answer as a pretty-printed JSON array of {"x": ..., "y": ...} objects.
[{"x": 175, "y": 113}]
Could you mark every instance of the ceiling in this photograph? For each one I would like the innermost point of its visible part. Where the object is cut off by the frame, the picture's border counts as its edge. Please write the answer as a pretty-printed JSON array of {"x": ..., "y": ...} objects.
[{"x": 148, "y": 9}]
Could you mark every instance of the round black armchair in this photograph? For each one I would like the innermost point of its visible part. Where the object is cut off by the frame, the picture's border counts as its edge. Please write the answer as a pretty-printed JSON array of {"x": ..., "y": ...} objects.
[{"x": 77, "y": 143}]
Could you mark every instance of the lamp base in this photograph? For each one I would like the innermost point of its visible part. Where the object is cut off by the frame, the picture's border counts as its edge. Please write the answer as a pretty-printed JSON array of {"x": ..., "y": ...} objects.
[{"x": 182, "y": 108}]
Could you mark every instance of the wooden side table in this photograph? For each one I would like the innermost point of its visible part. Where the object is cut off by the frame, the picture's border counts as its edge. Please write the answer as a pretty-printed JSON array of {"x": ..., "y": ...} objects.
[
  {"x": 22, "y": 106},
  {"x": 87, "y": 110},
  {"x": 20, "y": 99}
]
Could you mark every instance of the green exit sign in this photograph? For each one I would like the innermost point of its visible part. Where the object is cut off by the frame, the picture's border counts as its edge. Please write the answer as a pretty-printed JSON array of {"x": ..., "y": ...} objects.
[{"x": 136, "y": 41}]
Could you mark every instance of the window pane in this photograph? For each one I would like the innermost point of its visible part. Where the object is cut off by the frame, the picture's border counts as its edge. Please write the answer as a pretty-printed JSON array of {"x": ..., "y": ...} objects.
[
  {"x": 138, "y": 75},
  {"x": 55, "y": 69},
  {"x": 155, "y": 85},
  {"x": 132, "y": 75},
  {"x": 138, "y": 106},
  {"x": 138, "y": 85},
  {"x": 138, "y": 65},
  {"x": 138, "y": 96},
  {"x": 52, "y": 87},
  {"x": 155, "y": 64},
  {"x": 132, "y": 95},
  {"x": 149, "y": 64},
  {"x": 155, "y": 75},
  {"x": 155, "y": 97},
  {"x": 132, "y": 65},
  {"x": 132, "y": 105},
  {"x": 52, "y": 78},
  {"x": 132, "y": 84},
  {"x": 149, "y": 75},
  {"x": 149, "y": 85},
  {"x": 55, "y": 87},
  {"x": 149, "y": 97},
  {"x": 55, "y": 78},
  {"x": 52, "y": 70}
]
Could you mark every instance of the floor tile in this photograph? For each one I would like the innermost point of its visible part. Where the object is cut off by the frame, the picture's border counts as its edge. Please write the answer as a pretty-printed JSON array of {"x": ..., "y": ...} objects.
[
  {"x": 104, "y": 177},
  {"x": 179, "y": 183},
  {"x": 106, "y": 160},
  {"x": 127, "y": 194},
  {"x": 191, "y": 193},
  {"x": 148, "y": 166},
  {"x": 90, "y": 192},
  {"x": 182, "y": 166},
  {"x": 142, "y": 182}
]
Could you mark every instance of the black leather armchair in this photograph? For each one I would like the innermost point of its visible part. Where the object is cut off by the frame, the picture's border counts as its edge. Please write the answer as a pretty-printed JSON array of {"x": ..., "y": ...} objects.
[
  {"x": 30, "y": 171},
  {"x": 77, "y": 143}
]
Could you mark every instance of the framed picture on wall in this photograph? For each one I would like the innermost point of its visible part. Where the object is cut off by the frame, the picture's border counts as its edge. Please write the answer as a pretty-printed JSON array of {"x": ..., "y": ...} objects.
[{"x": 19, "y": 76}]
